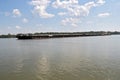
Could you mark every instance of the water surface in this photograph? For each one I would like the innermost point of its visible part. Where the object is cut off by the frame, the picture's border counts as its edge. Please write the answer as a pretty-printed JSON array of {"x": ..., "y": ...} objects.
[{"x": 78, "y": 58}]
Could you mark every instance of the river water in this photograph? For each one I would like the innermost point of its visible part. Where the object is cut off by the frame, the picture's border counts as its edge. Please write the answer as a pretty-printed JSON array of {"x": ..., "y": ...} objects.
[{"x": 77, "y": 58}]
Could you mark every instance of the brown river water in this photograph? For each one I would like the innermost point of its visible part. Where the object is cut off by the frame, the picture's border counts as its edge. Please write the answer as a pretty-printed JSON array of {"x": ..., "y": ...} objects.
[{"x": 76, "y": 58}]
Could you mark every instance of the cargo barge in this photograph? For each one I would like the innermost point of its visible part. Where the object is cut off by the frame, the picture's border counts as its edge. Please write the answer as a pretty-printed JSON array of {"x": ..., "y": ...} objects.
[{"x": 59, "y": 35}]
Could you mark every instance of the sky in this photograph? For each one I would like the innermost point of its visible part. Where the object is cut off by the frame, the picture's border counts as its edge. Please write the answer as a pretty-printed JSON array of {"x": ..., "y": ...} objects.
[{"x": 29, "y": 16}]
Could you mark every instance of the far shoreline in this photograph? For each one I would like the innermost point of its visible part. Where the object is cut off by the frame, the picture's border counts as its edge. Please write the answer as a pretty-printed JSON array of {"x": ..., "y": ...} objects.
[{"x": 43, "y": 35}]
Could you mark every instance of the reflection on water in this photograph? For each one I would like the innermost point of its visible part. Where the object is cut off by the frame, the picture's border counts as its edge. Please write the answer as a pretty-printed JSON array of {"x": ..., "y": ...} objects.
[
  {"x": 82, "y": 58},
  {"x": 42, "y": 68}
]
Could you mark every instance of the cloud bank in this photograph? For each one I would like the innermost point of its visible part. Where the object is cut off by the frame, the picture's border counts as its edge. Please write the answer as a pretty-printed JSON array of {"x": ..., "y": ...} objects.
[{"x": 72, "y": 10}]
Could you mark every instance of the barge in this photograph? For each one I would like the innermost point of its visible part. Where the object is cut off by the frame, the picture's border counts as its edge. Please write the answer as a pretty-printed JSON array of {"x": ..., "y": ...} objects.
[{"x": 59, "y": 35}]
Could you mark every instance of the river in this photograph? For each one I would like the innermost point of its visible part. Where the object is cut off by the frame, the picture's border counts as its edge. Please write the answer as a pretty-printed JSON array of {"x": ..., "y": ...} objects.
[{"x": 76, "y": 58}]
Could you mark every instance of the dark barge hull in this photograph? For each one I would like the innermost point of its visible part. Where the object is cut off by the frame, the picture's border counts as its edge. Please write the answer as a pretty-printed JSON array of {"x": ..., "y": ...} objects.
[{"x": 43, "y": 36}]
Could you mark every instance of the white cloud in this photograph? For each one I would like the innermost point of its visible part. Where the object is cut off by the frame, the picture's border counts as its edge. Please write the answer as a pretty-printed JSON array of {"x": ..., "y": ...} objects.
[
  {"x": 16, "y": 12},
  {"x": 103, "y": 14},
  {"x": 89, "y": 5},
  {"x": 74, "y": 9},
  {"x": 25, "y": 20},
  {"x": 70, "y": 21},
  {"x": 40, "y": 7},
  {"x": 17, "y": 27},
  {"x": 79, "y": 11},
  {"x": 64, "y": 3},
  {"x": 101, "y": 2}
]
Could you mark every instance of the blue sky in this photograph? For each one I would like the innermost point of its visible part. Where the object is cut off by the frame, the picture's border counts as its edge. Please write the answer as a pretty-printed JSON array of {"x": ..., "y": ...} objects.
[{"x": 24, "y": 16}]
